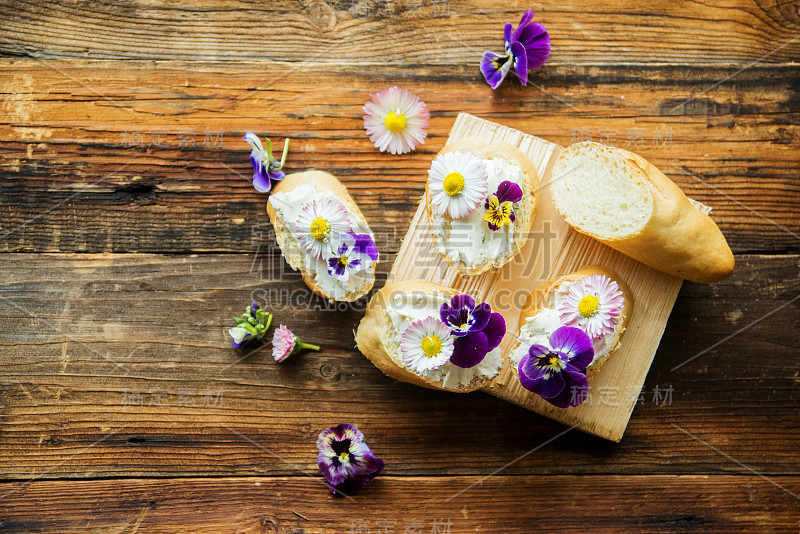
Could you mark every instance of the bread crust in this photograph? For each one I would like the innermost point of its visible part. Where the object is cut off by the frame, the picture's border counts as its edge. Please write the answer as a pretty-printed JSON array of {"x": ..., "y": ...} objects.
[
  {"x": 545, "y": 292},
  {"x": 524, "y": 214},
  {"x": 322, "y": 180},
  {"x": 678, "y": 239},
  {"x": 376, "y": 326}
]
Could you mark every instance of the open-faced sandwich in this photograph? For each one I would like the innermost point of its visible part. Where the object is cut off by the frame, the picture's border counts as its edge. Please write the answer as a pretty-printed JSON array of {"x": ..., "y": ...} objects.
[
  {"x": 622, "y": 200},
  {"x": 481, "y": 202},
  {"x": 569, "y": 327},
  {"x": 430, "y": 335},
  {"x": 321, "y": 232}
]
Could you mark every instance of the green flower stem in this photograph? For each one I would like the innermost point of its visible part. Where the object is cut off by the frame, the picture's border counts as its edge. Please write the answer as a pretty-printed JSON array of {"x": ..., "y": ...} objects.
[
  {"x": 269, "y": 322},
  {"x": 308, "y": 346},
  {"x": 285, "y": 152}
]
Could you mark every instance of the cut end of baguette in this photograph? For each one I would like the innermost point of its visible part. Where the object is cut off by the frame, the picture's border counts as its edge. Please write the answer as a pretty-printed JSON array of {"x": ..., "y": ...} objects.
[{"x": 600, "y": 192}]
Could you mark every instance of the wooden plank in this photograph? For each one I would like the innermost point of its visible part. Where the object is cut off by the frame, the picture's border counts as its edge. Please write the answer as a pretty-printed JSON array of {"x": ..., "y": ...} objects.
[
  {"x": 372, "y": 32},
  {"x": 553, "y": 250},
  {"x": 508, "y": 504},
  {"x": 125, "y": 156},
  {"x": 135, "y": 344}
]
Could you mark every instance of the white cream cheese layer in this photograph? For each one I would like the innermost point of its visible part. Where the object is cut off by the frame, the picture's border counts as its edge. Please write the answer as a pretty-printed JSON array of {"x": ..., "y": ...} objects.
[
  {"x": 469, "y": 240},
  {"x": 403, "y": 309},
  {"x": 288, "y": 206},
  {"x": 537, "y": 329}
]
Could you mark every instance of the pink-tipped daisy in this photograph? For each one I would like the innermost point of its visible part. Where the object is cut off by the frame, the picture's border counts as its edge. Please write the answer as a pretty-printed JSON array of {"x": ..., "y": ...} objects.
[
  {"x": 395, "y": 120},
  {"x": 592, "y": 304},
  {"x": 285, "y": 344},
  {"x": 457, "y": 183},
  {"x": 426, "y": 344},
  {"x": 319, "y": 226}
]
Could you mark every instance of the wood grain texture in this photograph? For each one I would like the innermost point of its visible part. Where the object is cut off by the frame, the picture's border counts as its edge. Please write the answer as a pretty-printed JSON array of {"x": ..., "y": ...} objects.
[
  {"x": 507, "y": 504},
  {"x": 132, "y": 350},
  {"x": 400, "y": 31},
  {"x": 553, "y": 250},
  {"x": 137, "y": 157}
]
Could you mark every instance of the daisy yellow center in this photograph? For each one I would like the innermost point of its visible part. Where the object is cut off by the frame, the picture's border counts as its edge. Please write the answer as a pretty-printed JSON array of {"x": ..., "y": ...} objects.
[
  {"x": 453, "y": 183},
  {"x": 431, "y": 345},
  {"x": 395, "y": 121},
  {"x": 320, "y": 228},
  {"x": 588, "y": 305}
]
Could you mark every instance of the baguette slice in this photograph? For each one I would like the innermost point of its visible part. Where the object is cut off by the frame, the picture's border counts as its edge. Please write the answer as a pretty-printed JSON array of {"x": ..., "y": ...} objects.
[
  {"x": 526, "y": 208},
  {"x": 377, "y": 339},
  {"x": 620, "y": 199},
  {"x": 544, "y": 297},
  {"x": 290, "y": 249}
]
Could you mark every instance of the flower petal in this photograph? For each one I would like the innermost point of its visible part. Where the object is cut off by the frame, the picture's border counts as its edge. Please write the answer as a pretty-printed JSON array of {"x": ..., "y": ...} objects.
[
  {"x": 470, "y": 350},
  {"x": 575, "y": 343},
  {"x": 508, "y": 191},
  {"x": 546, "y": 385},
  {"x": 494, "y": 68},
  {"x": 481, "y": 315},
  {"x": 364, "y": 244},
  {"x": 575, "y": 389},
  {"x": 520, "y": 61},
  {"x": 495, "y": 330}
]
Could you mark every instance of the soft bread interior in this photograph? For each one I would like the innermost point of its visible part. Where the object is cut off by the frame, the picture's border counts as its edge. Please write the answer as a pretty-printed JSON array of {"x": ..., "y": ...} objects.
[{"x": 600, "y": 193}]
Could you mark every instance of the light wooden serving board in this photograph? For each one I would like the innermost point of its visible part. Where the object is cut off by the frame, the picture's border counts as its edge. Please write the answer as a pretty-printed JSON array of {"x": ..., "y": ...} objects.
[{"x": 553, "y": 249}]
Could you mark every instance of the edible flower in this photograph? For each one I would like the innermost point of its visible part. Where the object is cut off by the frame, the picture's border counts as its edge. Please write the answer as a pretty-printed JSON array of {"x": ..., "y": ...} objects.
[
  {"x": 285, "y": 344},
  {"x": 426, "y": 344},
  {"x": 593, "y": 304},
  {"x": 355, "y": 253},
  {"x": 346, "y": 462},
  {"x": 500, "y": 206},
  {"x": 457, "y": 183},
  {"x": 319, "y": 226},
  {"x": 395, "y": 120},
  {"x": 252, "y": 324},
  {"x": 558, "y": 373},
  {"x": 266, "y": 169},
  {"x": 527, "y": 48},
  {"x": 477, "y": 330}
]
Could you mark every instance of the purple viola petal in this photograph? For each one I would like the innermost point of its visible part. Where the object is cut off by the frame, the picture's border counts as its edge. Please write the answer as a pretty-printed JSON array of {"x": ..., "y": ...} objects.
[
  {"x": 493, "y": 227},
  {"x": 528, "y": 364},
  {"x": 494, "y": 68},
  {"x": 507, "y": 35},
  {"x": 508, "y": 191},
  {"x": 470, "y": 350},
  {"x": 261, "y": 180},
  {"x": 244, "y": 340},
  {"x": 523, "y": 22},
  {"x": 353, "y": 263},
  {"x": 365, "y": 245},
  {"x": 575, "y": 389},
  {"x": 332, "y": 469},
  {"x": 495, "y": 330},
  {"x": 512, "y": 216},
  {"x": 335, "y": 267},
  {"x": 276, "y": 175},
  {"x": 546, "y": 385},
  {"x": 462, "y": 301},
  {"x": 520, "y": 62},
  {"x": 342, "y": 248},
  {"x": 365, "y": 462},
  {"x": 481, "y": 315},
  {"x": 575, "y": 343},
  {"x": 537, "y": 46}
]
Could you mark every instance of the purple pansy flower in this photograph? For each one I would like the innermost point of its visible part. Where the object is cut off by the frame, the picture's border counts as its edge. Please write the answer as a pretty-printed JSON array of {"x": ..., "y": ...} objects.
[
  {"x": 266, "y": 169},
  {"x": 346, "y": 462},
  {"x": 558, "y": 373},
  {"x": 477, "y": 330},
  {"x": 500, "y": 206},
  {"x": 355, "y": 253},
  {"x": 527, "y": 48}
]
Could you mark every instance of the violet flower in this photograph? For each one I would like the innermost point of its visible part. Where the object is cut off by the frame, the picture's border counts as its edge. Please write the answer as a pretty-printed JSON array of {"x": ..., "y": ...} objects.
[
  {"x": 477, "y": 330},
  {"x": 355, "y": 253},
  {"x": 500, "y": 206},
  {"x": 558, "y": 373},
  {"x": 252, "y": 324},
  {"x": 527, "y": 48},
  {"x": 346, "y": 462},
  {"x": 266, "y": 169}
]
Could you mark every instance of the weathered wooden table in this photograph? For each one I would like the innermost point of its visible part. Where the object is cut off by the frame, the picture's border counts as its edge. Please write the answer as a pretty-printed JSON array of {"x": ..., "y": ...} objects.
[{"x": 132, "y": 234}]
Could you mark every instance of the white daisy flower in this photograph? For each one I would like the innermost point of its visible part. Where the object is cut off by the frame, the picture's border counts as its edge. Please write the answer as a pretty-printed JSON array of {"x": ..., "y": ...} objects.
[
  {"x": 395, "y": 120},
  {"x": 426, "y": 344},
  {"x": 319, "y": 226},
  {"x": 593, "y": 304},
  {"x": 457, "y": 182}
]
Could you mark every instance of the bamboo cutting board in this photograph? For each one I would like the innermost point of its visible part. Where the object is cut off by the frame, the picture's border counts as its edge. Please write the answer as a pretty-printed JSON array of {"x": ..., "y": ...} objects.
[{"x": 553, "y": 249}]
